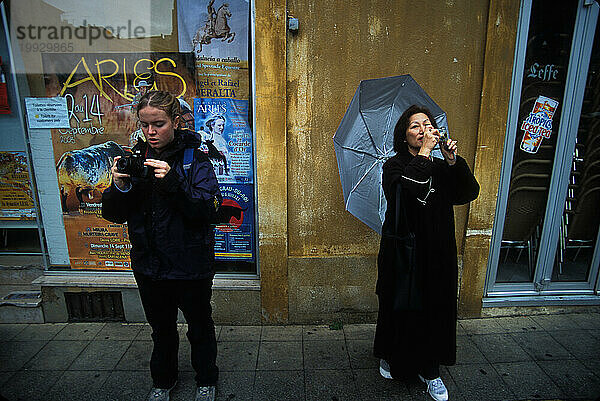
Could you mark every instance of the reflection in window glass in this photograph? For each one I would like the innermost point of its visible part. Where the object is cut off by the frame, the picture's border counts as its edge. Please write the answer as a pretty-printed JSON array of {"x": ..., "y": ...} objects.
[
  {"x": 580, "y": 219},
  {"x": 546, "y": 62}
]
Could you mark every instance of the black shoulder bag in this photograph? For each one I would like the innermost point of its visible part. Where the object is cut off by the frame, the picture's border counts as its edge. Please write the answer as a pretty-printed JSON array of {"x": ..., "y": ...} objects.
[{"x": 408, "y": 293}]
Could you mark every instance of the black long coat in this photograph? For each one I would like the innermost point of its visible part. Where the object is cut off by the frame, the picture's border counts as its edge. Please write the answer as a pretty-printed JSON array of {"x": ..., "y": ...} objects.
[{"x": 430, "y": 188}]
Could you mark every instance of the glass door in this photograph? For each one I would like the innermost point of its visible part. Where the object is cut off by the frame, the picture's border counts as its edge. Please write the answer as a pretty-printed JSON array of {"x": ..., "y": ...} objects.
[
  {"x": 575, "y": 258},
  {"x": 531, "y": 235}
]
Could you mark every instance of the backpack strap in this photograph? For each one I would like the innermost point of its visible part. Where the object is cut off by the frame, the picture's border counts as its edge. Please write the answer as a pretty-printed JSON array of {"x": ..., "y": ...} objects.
[{"x": 188, "y": 157}]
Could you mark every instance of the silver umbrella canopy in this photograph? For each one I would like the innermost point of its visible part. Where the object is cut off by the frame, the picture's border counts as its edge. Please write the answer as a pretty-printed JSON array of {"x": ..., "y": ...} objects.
[{"x": 364, "y": 140}]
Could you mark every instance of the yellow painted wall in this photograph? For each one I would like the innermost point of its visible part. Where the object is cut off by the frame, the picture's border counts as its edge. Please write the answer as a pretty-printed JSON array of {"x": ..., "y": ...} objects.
[{"x": 331, "y": 266}]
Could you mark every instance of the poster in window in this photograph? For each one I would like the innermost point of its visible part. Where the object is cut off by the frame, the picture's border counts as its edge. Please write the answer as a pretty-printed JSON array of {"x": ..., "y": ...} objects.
[
  {"x": 227, "y": 139},
  {"x": 235, "y": 240},
  {"x": 16, "y": 197},
  {"x": 102, "y": 91},
  {"x": 217, "y": 32}
]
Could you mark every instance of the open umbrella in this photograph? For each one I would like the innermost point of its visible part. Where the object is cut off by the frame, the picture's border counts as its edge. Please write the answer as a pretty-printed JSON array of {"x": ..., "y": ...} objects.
[{"x": 364, "y": 141}]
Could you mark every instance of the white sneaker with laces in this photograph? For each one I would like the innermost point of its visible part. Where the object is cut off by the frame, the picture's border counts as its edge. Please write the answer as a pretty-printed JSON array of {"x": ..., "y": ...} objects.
[
  {"x": 436, "y": 388},
  {"x": 384, "y": 369},
  {"x": 160, "y": 394},
  {"x": 205, "y": 393}
]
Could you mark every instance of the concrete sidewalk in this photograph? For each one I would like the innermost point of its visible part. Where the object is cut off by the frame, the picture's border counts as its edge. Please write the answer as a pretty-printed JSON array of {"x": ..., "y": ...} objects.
[{"x": 544, "y": 357}]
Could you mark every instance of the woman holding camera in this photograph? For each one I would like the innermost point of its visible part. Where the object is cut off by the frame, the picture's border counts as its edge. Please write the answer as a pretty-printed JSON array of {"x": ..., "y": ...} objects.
[
  {"x": 416, "y": 339},
  {"x": 169, "y": 214}
]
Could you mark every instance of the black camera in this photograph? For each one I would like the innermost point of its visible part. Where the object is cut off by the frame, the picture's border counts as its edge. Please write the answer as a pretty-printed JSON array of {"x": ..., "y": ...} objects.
[
  {"x": 443, "y": 141},
  {"x": 133, "y": 165}
]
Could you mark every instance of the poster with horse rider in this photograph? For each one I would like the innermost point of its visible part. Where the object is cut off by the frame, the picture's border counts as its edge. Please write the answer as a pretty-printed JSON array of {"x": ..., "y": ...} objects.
[{"x": 217, "y": 33}]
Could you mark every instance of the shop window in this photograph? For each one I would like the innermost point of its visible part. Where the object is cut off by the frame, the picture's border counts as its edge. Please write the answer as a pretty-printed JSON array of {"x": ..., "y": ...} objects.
[{"x": 100, "y": 59}]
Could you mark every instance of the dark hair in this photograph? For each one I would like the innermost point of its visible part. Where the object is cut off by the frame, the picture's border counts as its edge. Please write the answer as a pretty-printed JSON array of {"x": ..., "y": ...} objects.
[
  {"x": 161, "y": 100},
  {"x": 402, "y": 125}
]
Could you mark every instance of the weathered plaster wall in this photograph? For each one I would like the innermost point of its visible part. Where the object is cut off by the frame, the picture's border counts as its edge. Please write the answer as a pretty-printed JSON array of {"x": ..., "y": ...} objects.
[
  {"x": 340, "y": 43},
  {"x": 270, "y": 103},
  {"x": 495, "y": 93}
]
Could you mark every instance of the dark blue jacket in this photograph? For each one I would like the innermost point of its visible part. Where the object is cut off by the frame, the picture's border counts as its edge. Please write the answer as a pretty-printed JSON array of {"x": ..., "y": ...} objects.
[{"x": 169, "y": 219}]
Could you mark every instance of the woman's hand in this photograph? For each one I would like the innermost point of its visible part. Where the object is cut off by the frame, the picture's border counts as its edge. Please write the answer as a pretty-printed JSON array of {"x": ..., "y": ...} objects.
[
  {"x": 161, "y": 168},
  {"x": 449, "y": 152},
  {"x": 430, "y": 140},
  {"x": 121, "y": 180}
]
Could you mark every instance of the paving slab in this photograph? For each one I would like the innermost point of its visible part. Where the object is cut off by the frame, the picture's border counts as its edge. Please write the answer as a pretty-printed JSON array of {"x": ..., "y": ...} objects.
[
  {"x": 280, "y": 385},
  {"x": 372, "y": 386},
  {"x": 4, "y": 377},
  {"x": 528, "y": 381},
  {"x": 326, "y": 354},
  {"x": 30, "y": 386},
  {"x": 69, "y": 388},
  {"x": 573, "y": 378},
  {"x": 34, "y": 332},
  {"x": 467, "y": 351},
  {"x": 453, "y": 390},
  {"x": 518, "y": 324},
  {"x": 556, "y": 322},
  {"x": 136, "y": 357},
  {"x": 335, "y": 384},
  {"x": 360, "y": 332},
  {"x": 235, "y": 385},
  {"x": 241, "y": 355},
  {"x": 589, "y": 321},
  {"x": 541, "y": 346},
  {"x": 145, "y": 333},
  {"x": 482, "y": 326},
  {"x": 480, "y": 382},
  {"x": 185, "y": 356},
  {"x": 593, "y": 365},
  {"x": 281, "y": 333},
  {"x": 8, "y": 331},
  {"x": 101, "y": 355},
  {"x": 321, "y": 332},
  {"x": 79, "y": 331},
  {"x": 580, "y": 343},
  {"x": 127, "y": 386},
  {"x": 240, "y": 333},
  {"x": 500, "y": 348},
  {"x": 56, "y": 355},
  {"x": 361, "y": 354},
  {"x": 284, "y": 355},
  {"x": 119, "y": 331},
  {"x": 15, "y": 354}
]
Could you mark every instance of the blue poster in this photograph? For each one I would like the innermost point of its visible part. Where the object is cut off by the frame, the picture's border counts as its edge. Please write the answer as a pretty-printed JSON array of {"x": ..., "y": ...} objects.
[
  {"x": 226, "y": 136},
  {"x": 235, "y": 240}
]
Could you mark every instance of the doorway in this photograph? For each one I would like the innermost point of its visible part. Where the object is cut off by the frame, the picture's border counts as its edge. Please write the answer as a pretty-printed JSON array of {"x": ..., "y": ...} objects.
[{"x": 545, "y": 236}]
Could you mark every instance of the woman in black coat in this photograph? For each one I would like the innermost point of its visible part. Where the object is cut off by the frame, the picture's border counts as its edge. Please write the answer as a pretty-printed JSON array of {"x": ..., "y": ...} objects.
[{"x": 417, "y": 341}]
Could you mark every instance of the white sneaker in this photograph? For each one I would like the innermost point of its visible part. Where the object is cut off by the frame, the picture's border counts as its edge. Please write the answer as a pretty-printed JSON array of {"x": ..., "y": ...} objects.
[
  {"x": 436, "y": 388},
  {"x": 384, "y": 369},
  {"x": 160, "y": 394},
  {"x": 206, "y": 393}
]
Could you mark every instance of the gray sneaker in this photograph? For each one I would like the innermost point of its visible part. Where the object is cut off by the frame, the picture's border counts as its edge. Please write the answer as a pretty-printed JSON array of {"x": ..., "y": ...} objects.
[
  {"x": 205, "y": 393},
  {"x": 160, "y": 394}
]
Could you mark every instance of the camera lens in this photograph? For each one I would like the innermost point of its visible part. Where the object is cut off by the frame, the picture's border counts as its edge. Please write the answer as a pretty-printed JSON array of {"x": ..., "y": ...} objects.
[{"x": 122, "y": 165}]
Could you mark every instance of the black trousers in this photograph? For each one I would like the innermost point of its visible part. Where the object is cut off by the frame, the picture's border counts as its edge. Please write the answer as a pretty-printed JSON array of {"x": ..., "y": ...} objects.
[{"x": 161, "y": 299}]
